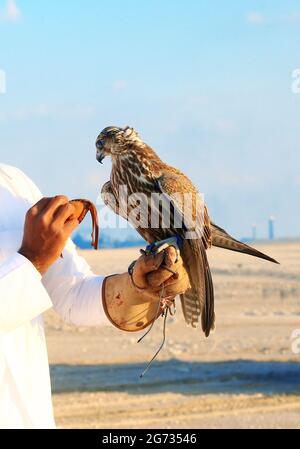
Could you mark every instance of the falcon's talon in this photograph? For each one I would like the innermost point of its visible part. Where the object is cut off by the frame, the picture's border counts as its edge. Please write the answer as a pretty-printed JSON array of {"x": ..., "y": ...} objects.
[
  {"x": 161, "y": 245},
  {"x": 166, "y": 303}
]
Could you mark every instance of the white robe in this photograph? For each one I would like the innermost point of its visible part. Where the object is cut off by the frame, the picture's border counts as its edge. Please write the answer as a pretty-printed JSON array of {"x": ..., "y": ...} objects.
[{"x": 69, "y": 286}]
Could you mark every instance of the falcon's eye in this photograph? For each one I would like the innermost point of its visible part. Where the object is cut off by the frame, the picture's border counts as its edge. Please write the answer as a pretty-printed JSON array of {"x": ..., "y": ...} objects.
[{"x": 100, "y": 143}]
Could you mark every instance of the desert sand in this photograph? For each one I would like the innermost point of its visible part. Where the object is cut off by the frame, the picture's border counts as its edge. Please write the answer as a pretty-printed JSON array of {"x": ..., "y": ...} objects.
[{"x": 245, "y": 375}]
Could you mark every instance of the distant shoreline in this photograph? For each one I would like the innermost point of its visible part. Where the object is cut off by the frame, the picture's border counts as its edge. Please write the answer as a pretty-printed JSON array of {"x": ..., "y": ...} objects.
[{"x": 141, "y": 244}]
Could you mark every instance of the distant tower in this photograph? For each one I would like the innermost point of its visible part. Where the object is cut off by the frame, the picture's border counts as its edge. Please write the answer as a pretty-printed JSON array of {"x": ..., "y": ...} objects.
[
  {"x": 254, "y": 231},
  {"x": 271, "y": 228}
]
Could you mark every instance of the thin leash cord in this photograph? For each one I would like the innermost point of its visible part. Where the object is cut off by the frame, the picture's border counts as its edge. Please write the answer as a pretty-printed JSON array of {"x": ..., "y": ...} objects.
[
  {"x": 167, "y": 309},
  {"x": 161, "y": 346},
  {"x": 158, "y": 306},
  {"x": 157, "y": 313}
]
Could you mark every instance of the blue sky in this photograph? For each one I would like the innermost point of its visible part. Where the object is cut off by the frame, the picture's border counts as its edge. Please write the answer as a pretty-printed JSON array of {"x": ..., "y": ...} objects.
[{"x": 206, "y": 83}]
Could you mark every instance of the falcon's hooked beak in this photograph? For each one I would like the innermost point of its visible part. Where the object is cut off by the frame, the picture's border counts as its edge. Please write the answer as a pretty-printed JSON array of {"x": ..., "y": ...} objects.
[{"x": 100, "y": 155}]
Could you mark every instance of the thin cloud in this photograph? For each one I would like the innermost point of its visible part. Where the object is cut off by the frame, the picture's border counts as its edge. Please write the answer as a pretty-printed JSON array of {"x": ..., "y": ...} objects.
[
  {"x": 11, "y": 12},
  {"x": 120, "y": 85},
  {"x": 43, "y": 111},
  {"x": 290, "y": 18},
  {"x": 225, "y": 126},
  {"x": 238, "y": 180},
  {"x": 255, "y": 18}
]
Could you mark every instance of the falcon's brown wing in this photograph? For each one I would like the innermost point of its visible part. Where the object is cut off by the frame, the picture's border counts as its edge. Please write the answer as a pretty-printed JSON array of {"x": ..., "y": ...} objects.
[
  {"x": 199, "y": 300},
  {"x": 111, "y": 201}
]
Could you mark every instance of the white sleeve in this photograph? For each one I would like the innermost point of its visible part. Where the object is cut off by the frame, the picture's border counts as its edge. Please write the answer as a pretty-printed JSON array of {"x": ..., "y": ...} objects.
[
  {"x": 22, "y": 295},
  {"x": 76, "y": 293}
]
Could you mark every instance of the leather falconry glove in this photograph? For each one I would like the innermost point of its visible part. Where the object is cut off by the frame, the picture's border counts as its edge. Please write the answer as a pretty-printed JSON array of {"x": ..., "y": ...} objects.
[{"x": 132, "y": 301}]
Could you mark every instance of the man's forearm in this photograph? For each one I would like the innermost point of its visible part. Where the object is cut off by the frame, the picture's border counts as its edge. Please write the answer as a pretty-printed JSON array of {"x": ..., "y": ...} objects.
[{"x": 75, "y": 290}]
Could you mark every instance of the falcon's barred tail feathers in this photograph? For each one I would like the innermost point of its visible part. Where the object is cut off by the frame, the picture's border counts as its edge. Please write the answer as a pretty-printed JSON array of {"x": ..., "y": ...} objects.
[
  {"x": 199, "y": 299},
  {"x": 222, "y": 239}
]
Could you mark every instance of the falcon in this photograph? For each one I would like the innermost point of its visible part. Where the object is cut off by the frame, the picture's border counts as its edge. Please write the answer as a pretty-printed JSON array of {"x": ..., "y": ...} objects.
[{"x": 178, "y": 210}]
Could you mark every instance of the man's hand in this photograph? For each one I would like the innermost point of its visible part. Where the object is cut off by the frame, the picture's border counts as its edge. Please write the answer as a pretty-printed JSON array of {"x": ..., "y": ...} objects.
[
  {"x": 131, "y": 302},
  {"x": 152, "y": 271},
  {"x": 48, "y": 225}
]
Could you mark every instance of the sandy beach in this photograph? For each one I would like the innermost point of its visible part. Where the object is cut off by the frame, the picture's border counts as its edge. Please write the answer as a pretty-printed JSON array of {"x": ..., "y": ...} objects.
[{"x": 245, "y": 375}]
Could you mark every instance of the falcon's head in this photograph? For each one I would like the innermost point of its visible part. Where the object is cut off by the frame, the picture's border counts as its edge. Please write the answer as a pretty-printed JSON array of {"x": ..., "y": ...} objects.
[{"x": 115, "y": 141}]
